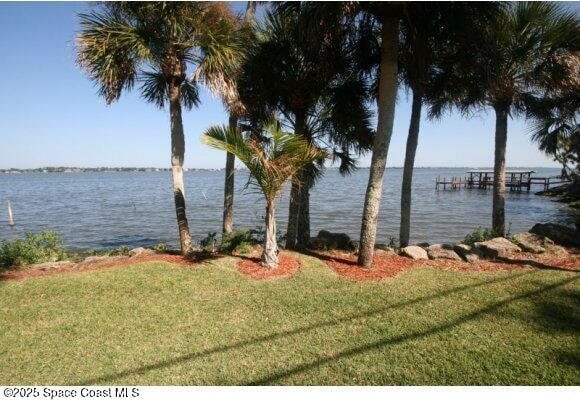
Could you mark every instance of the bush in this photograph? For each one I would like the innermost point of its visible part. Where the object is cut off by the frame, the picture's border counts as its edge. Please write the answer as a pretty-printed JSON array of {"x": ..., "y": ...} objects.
[
  {"x": 119, "y": 251},
  {"x": 242, "y": 248},
  {"x": 240, "y": 240},
  {"x": 479, "y": 235},
  {"x": 159, "y": 248},
  {"x": 208, "y": 243},
  {"x": 34, "y": 248}
]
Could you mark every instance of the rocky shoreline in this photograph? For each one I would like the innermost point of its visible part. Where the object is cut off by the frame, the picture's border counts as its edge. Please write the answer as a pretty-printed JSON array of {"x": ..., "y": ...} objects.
[
  {"x": 545, "y": 246},
  {"x": 549, "y": 239}
]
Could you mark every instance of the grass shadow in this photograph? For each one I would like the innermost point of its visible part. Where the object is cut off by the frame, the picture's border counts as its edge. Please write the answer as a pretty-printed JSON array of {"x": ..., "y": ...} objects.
[
  {"x": 270, "y": 379},
  {"x": 534, "y": 264},
  {"x": 328, "y": 257},
  {"x": 295, "y": 331}
]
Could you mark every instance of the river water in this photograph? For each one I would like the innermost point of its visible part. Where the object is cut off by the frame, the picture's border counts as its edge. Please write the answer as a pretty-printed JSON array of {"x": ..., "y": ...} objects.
[{"x": 110, "y": 209}]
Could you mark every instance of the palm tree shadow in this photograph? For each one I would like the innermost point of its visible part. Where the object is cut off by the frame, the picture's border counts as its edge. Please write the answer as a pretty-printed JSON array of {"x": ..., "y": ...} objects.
[
  {"x": 270, "y": 379},
  {"x": 328, "y": 257},
  {"x": 535, "y": 264},
  {"x": 558, "y": 315},
  {"x": 290, "y": 332}
]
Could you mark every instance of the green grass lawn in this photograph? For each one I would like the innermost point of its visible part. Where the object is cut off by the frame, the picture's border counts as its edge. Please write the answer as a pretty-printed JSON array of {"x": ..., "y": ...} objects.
[{"x": 160, "y": 324}]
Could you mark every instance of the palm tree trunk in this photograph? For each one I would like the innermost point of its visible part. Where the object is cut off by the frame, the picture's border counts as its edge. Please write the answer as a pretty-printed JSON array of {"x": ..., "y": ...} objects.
[
  {"x": 228, "y": 217},
  {"x": 412, "y": 141},
  {"x": 498, "y": 213},
  {"x": 386, "y": 112},
  {"x": 303, "y": 228},
  {"x": 293, "y": 209},
  {"x": 270, "y": 255},
  {"x": 296, "y": 193},
  {"x": 250, "y": 12},
  {"x": 177, "y": 156}
]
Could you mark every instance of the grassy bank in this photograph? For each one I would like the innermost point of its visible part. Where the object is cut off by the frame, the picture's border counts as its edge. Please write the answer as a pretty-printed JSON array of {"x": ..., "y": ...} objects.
[{"x": 156, "y": 323}]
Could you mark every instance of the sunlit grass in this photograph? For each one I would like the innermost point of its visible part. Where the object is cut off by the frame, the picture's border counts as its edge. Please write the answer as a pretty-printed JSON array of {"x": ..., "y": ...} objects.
[{"x": 163, "y": 324}]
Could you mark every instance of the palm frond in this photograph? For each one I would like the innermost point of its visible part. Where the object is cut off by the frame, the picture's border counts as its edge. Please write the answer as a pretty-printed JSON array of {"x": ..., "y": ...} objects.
[
  {"x": 109, "y": 48},
  {"x": 272, "y": 162},
  {"x": 154, "y": 90}
]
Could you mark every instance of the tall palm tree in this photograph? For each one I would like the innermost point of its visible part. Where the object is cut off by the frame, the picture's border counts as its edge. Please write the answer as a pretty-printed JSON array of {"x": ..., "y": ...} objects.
[
  {"x": 236, "y": 110},
  {"x": 272, "y": 160},
  {"x": 387, "y": 16},
  {"x": 513, "y": 63},
  {"x": 427, "y": 31},
  {"x": 307, "y": 76},
  {"x": 556, "y": 122},
  {"x": 154, "y": 44}
]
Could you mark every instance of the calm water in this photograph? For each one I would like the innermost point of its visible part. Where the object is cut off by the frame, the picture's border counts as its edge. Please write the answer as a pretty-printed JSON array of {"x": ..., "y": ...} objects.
[{"x": 136, "y": 208}]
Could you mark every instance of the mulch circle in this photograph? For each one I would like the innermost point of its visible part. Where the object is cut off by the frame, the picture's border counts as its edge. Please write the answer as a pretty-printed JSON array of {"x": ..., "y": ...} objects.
[
  {"x": 95, "y": 265},
  {"x": 251, "y": 268},
  {"x": 385, "y": 265}
]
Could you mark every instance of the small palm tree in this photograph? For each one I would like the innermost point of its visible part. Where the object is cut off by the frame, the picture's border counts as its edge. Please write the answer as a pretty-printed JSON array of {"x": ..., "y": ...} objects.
[
  {"x": 154, "y": 43},
  {"x": 272, "y": 159}
]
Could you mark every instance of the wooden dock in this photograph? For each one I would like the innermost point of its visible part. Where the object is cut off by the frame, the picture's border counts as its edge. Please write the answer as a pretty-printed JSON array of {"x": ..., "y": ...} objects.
[{"x": 483, "y": 179}]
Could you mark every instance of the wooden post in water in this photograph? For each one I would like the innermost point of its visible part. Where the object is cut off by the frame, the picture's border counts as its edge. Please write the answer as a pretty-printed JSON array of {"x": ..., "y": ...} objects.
[{"x": 10, "y": 215}]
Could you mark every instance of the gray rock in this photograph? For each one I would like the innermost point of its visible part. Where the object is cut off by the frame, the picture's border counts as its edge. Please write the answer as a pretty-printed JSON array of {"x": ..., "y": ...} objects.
[
  {"x": 423, "y": 245},
  {"x": 531, "y": 242},
  {"x": 445, "y": 251},
  {"x": 558, "y": 233},
  {"x": 414, "y": 252},
  {"x": 140, "y": 251},
  {"x": 92, "y": 259},
  {"x": 332, "y": 241},
  {"x": 96, "y": 258},
  {"x": 467, "y": 253},
  {"x": 498, "y": 247},
  {"x": 384, "y": 251},
  {"x": 52, "y": 265}
]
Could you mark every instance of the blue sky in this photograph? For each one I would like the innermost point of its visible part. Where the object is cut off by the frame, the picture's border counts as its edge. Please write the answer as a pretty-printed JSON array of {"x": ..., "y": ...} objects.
[{"x": 50, "y": 113}]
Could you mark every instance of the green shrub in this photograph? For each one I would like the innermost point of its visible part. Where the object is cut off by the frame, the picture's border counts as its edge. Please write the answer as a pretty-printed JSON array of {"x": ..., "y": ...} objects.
[
  {"x": 34, "y": 248},
  {"x": 479, "y": 235},
  {"x": 237, "y": 240},
  {"x": 208, "y": 243},
  {"x": 242, "y": 240},
  {"x": 243, "y": 248},
  {"x": 393, "y": 242},
  {"x": 119, "y": 251},
  {"x": 159, "y": 248}
]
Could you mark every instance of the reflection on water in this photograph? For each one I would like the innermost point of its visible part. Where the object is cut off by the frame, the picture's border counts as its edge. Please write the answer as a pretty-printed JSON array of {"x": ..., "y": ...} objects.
[{"x": 136, "y": 208}]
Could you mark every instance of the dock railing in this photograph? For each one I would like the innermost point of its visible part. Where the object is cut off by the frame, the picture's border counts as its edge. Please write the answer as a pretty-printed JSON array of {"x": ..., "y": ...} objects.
[{"x": 515, "y": 181}]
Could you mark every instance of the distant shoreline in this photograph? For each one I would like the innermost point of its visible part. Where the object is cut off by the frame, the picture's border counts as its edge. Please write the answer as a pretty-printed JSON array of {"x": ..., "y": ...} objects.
[{"x": 60, "y": 170}]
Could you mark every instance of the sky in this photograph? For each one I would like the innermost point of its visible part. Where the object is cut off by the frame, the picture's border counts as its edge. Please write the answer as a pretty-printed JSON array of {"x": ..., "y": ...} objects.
[{"x": 50, "y": 114}]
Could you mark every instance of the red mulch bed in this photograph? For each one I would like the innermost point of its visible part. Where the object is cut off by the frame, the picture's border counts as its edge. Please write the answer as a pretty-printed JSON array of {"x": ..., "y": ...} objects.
[
  {"x": 94, "y": 265},
  {"x": 388, "y": 265},
  {"x": 251, "y": 268},
  {"x": 385, "y": 265}
]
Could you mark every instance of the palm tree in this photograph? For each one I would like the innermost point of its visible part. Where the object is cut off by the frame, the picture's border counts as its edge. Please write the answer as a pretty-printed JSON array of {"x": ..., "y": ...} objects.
[
  {"x": 556, "y": 127},
  {"x": 388, "y": 17},
  {"x": 427, "y": 31},
  {"x": 513, "y": 63},
  {"x": 272, "y": 159},
  {"x": 236, "y": 110},
  {"x": 312, "y": 83},
  {"x": 154, "y": 44}
]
